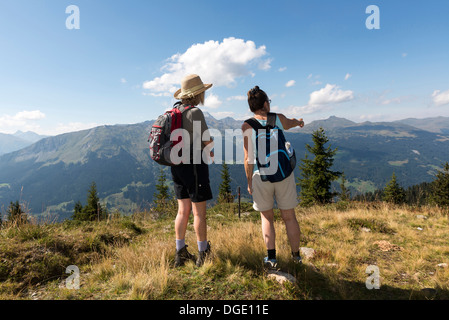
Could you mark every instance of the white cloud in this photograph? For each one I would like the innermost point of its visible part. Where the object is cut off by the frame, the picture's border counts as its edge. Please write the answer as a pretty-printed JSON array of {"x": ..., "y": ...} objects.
[
  {"x": 320, "y": 100},
  {"x": 162, "y": 94},
  {"x": 404, "y": 55},
  {"x": 310, "y": 76},
  {"x": 291, "y": 83},
  {"x": 123, "y": 80},
  {"x": 390, "y": 101},
  {"x": 330, "y": 94},
  {"x": 220, "y": 63},
  {"x": 71, "y": 127},
  {"x": 296, "y": 111},
  {"x": 440, "y": 98},
  {"x": 367, "y": 117},
  {"x": 212, "y": 101},
  {"x": 29, "y": 115},
  {"x": 23, "y": 120},
  {"x": 237, "y": 98},
  {"x": 348, "y": 75},
  {"x": 265, "y": 64},
  {"x": 282, "y": 69}
]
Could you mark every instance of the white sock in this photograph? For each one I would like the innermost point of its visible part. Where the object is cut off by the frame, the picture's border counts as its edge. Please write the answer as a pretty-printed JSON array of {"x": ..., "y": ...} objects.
[
  {"x": 180, "y": 244},
  {"x": 202, "y": 245}
]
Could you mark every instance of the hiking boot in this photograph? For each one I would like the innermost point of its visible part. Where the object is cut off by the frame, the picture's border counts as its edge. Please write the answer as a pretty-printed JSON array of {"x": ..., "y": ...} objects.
[
  {"x": 297, "y": 259},
  {"x": 203, "y": 255},
  {"x": 182, "y": 256},
  {"x": 270, "y": 264}
]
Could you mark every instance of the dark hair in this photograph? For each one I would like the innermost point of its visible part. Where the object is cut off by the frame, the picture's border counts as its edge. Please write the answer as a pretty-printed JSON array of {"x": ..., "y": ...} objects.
[{"x": 256, "y": 99}]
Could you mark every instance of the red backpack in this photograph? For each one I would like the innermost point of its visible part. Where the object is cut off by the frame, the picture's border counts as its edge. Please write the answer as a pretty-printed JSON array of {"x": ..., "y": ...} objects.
[{"x": 160, "y": 143}]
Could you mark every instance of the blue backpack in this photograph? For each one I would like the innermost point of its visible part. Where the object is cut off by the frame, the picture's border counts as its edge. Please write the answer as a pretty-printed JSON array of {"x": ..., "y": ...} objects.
[{"x": 284, "y": 154}]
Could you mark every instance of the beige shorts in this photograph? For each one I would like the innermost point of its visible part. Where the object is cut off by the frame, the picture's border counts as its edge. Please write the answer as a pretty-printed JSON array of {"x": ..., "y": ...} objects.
[{"x": 264, "y": 193}]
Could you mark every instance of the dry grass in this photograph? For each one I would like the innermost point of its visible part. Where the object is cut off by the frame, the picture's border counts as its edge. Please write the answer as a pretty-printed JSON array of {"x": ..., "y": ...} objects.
[
  {"x": 407, "y": 265},
  {"x": 127, "y": 259}
]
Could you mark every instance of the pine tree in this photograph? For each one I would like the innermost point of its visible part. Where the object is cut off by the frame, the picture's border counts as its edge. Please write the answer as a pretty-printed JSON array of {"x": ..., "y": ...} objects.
[
  {"x": 393, "y": 192},
  {"x": 316, "y": 174},
  {"x": 162, "y": 195},
  {"x": 225, "y": 192},
  {"x": 78, "y": 207},
  {"x": 418, "y": 194},
  {"x": 440, "y": 187},
  {"x": 78, "y": 212},
  {"x": 344, "y": 192},
  {"x": 15, "y": 213},
  {"x": 93, "y": 210}
]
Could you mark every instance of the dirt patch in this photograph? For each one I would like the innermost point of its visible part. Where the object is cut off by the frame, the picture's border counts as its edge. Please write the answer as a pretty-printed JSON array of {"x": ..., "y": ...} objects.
[{"x": 386, "y": 246}]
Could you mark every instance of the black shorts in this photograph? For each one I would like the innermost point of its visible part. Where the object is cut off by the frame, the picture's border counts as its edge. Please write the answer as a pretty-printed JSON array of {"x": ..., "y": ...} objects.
[{"x": 191, "y": 181}]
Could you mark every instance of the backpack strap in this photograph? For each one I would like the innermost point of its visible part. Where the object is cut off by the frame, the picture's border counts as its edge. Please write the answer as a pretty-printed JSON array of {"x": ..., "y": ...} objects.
[
  {"x": 271, "y": 120},
  {"x": 182, "y": 108},
  {"x": 255, "y": 124}
]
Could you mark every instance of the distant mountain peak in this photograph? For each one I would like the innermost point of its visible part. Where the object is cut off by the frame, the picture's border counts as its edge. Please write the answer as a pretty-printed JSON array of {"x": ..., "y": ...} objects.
[
  {"x": 436, "y": 124},
  {"x": 13, "y": 142},
  {"x": 331, "y": 123},
  {"x": 28, "y": 136},
  {"x": 208, "y": 115},
  {"x": 335, "y": 118}
]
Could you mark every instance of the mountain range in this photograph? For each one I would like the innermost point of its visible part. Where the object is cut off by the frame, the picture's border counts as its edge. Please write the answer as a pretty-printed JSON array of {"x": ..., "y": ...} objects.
[
  {"x": 17, "y": 141},
  {"x": 50, "y": 175}
]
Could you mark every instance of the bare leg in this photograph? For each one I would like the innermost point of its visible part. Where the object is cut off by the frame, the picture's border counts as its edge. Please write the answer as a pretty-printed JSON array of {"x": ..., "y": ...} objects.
[
  {"x": 199, "y": 213},
  {"x": 292, "y": 226},
  {"x": 268, "y": 231},
  {"x": 182, "y": 219}
]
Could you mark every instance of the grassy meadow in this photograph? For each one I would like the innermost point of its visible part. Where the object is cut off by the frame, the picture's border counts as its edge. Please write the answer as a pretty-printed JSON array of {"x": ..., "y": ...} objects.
[{"x": 131, "y": 258}]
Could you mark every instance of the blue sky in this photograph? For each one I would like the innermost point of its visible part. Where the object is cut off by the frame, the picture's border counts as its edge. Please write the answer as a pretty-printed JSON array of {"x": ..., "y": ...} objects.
[{"x": 314, "y": 59}]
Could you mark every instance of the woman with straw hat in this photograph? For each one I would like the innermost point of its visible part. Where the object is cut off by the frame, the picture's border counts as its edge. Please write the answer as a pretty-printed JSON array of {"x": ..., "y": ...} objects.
[{"x": 191, "y": 180}]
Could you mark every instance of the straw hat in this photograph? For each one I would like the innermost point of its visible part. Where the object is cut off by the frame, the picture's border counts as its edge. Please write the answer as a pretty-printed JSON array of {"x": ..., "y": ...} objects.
[{"x": 191, "y": 86}]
